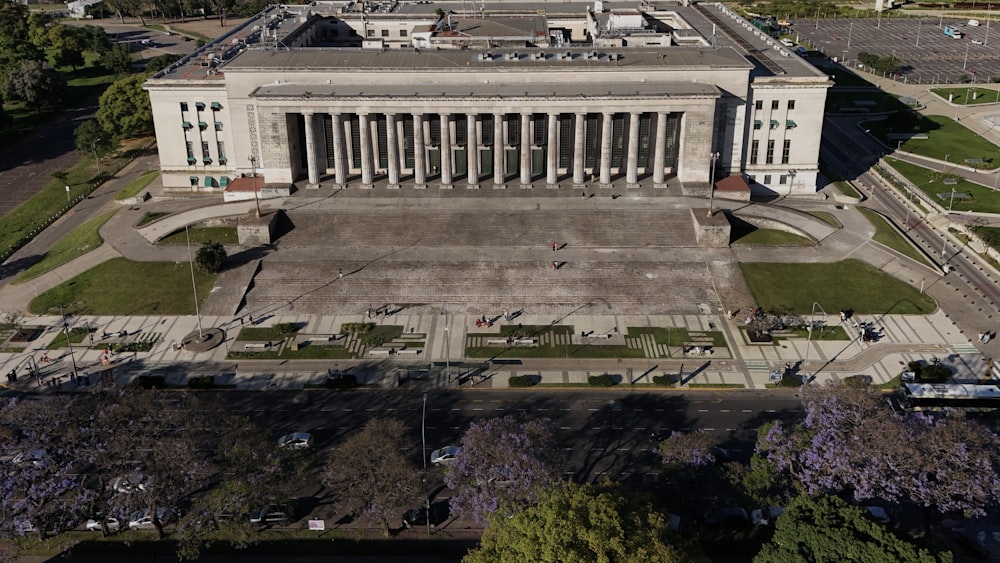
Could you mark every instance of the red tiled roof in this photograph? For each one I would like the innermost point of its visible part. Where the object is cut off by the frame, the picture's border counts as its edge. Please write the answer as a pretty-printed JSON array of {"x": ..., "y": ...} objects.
[
  {"x": 244, "y": 184},
  {"x": 733, "y": 184}
]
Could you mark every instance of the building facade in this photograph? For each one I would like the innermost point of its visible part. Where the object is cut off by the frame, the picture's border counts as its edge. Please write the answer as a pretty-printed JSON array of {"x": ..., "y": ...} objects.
[{"x": 502, "y": 96}]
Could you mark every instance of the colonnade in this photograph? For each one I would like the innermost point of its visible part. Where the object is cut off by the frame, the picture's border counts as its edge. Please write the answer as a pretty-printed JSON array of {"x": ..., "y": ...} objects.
[{"x": 495, "y": 148}]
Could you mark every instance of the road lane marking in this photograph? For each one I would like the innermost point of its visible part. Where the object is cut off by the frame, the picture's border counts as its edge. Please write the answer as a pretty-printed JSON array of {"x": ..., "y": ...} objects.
[
  {"x": 702, "y": 410},
  {"x": 724, "y": 410},
  {"x": 564, "y": 428},
  {"x": 747, "y": 410}
]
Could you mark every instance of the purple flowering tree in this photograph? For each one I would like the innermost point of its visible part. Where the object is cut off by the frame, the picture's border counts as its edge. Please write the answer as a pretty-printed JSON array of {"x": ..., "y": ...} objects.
[
  {"x": 688, "y": 450},
  {"x": 372, "y": 473},
  {"x": 503, "y": 460},
  {"x": 40, "y": 488},
  {"x": 852, "y": 442}
]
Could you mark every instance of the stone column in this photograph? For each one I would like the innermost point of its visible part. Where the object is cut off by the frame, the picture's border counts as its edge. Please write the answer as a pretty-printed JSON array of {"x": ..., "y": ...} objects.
[
  {"x": 632, "y": 167},
  {"x": 499, "y": 151},
  {"x": 312, "y": 162},
  {"x": 526, "y": 150},
  {"x": 606, "y": 121},
  {"x": 367, "y": 165},
  {"x": 393, "y": 150},
  {"x": 445, "y": 151},
  {"x": 661, "y": 150},
  {"x": 339, "y": 158},
  {"x": 419, "y": 164},
  {"x": 579, "y": 143},
  {"x": 552, "y": 152},
  {"x": 472, "y": 151}
]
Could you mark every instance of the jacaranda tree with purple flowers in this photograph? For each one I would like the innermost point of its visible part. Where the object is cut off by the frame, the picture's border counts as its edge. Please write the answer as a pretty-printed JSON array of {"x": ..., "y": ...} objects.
[
  {"x": 503, "y": 460},
  {"x": 851, "y": 442},
  {"x": 682, "y": 450}
]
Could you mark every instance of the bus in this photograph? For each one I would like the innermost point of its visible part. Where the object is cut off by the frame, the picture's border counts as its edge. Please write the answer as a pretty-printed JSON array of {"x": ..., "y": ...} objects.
[
  {"x": 953, "y": 32},
  {"x": 939, "y": 396}
]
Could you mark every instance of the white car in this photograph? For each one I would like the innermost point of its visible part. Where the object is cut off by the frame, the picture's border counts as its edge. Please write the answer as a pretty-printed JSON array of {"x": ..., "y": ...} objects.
[
  {"x": 95, "y": 525},
  {"x": 143, "y": 519},
  {"x": 129, "y": 483},
  {"x": 296, "y": 441},
  {"x": 976, "y": 42},
  {"x": 446, "y": 454}
]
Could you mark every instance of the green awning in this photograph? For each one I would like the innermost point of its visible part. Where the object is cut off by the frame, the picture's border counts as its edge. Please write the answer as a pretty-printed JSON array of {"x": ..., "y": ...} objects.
[
  {"x": 774, "y": 124},
  {"x": 789, "y": 124},
  {"x": 192, "y": 160},
  {"x": 224, "y": 181},
  {"x": 203, "y": 125},
  {"x": 216, "y": 105},
  {"x": 757, "y": 123},
  {"x": 193, "y": 179},
  {"x": 199, "y": 105},
  {"x": 209, "y": 181},
  {"x": 186, "y": 124},
  {"x": 218, "y": 126}
]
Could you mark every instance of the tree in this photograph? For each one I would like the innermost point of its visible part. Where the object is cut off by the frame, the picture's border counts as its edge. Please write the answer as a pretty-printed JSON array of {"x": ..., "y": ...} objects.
[
  {"x": 503, "y": 461},
  {"x": 371, "y": 471},
  {"x": 41, "y": 491},
  {"x": 90, "y": 134},
  {"x": 851, "y": 442},
  {"x": 94, "y": 38},
  {"x": 38, "y": 29},
  {"x": 825, "y": 528},
  {"x": 579, "y": 523},
  {"x": 35, "y": 84},
  {"x": 117, "y": 59},
  {"x": 211, "y": 257},
  {"x": 67, "y": 46},
  {"x": 160, "y": 62},
  {"x": 688, "y": 449},
  {"x": 124, "y": 108}
]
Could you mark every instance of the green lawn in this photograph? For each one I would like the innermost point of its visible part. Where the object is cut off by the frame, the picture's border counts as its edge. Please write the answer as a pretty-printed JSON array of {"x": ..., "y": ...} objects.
[
  {"x": 225, "y": 235},
  {"x": 827, "y": 218},
  {"x": 772, "y": 237},
  {"x": 850, "y": 284},
  {"x": 77, "y": 243},
  {"x": 548, "y": 351},
  {"x": 889, "y": 236},
  {"x": 834, "y": 332},
  {"x": 263, "y": 333},
  {"x": 963, "y": 95},
  {"x": 123, "y": 287},
  {"x": 149, "y": 217},
  {"x": 982, "y": 198},
  {"x": 946, "y": 139},
  {"x": 137, "y": 185}
]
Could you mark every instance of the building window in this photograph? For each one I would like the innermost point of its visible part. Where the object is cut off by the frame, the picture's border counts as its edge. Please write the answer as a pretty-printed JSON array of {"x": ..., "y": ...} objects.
[
  {"x": 774, "y": 105},
  {"x": 513, "y": 129},
  {"x": 408, "y": 146},
  {"x": 781, "y": 179},
  {"x": 786, "y": 148},
  {"x": 566, "y": 133},
  {"x": 461, "y": 130},
  {"x": 645, "y": 120},
  {"x": 486, "y": 124},
  {"x": 769, "y": 158},
  {"x": 754, "y": 146},
  {"x": 791, "y": 104},
  {"x": 190, "y": 148},
  {"x": 757, "y": 124},
  {"x": 758, "y": 105},
  {"x": 371, "y": 33},
  {"x": 402, "y": 33},
  {"x": 385, "y": 33},
  {"x": 218, "y": 126},
  {"x": 204, "y": 149},
  {"x": 184, "y": 106},
  {"x": 767, "y": 179},
  {"x": 752, "y": 178},
  {"x": 222, "y": 152},
  {"x": 539, "y": 130}
]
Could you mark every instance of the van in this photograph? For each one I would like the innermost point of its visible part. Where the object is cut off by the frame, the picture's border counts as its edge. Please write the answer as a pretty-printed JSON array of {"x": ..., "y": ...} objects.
[{"x": 974, "y": 23}]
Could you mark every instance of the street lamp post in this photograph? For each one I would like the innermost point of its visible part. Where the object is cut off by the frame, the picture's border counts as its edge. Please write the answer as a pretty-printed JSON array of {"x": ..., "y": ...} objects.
[
  {"x": 791, "y": 182},
  {"x": 68, "y": 343},
  {"x": 850, "y": 32},
  {"x": 809, "y": 329},
  {"x": 194, "y": 287},
  {"x": 253, "y": 172},
  {"x": 711, "y": 185},
  {"x": 918, "y": 35},
  {"x": 97, "y": 159},
  {"x": 952, "y": 202},
  {"x": 67, "y": 195}
]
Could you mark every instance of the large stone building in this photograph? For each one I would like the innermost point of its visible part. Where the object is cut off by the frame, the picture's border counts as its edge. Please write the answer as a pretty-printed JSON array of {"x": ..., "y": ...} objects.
[{"x": 421, "y": 95}]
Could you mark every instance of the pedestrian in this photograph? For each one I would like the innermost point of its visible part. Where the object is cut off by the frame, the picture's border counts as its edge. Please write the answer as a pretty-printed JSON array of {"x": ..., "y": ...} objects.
[
  {"x": 555, "y": 246},
  {"x": 506, "y": 315},
  {"x": 584, "y": 194},
  {"x": 241, "y": 321},
  {"x": 981, "y": 334},
  {"x": 555, "y": 265},
  {"x": 340, "y": 272},
  {"x": 479, "y": 323},
  {"x": 250, "y": 319}
]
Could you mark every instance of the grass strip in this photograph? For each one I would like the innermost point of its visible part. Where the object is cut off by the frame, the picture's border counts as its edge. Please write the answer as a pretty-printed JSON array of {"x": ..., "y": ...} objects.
[
  {"x": 889, "y": 236},
  {"x": 80, "y": 241}
]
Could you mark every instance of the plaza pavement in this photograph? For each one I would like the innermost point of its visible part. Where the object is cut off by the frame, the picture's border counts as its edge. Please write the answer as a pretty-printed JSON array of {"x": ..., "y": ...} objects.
[{"x": 446, "y": 325}]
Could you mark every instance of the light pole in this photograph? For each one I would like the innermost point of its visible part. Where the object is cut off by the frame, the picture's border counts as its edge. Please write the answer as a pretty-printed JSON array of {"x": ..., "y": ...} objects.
[
  {"x": 194, "y": 288},
  {"x": 67, "y": 195},
  {"x": 987, "y": 40},
  {"x": 253, "y": 172},
  {"x": 850, "y": 32},
  {"x": 952, "y": 202},
  {"x": 918, "y": 35},
  {"x": 97, "y": 159},
  {"x": 68, "y": 343},
  {"x": 791, "y": 182},
  {"x": 711, "y": 184},
  {"x": 809, "y": 329}
]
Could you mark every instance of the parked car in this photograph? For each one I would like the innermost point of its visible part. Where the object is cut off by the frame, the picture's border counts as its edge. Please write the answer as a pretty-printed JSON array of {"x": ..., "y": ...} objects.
[
  {"x": 95, "y": 525},
  {"x": 418, "y": 516},
  {"x": 143, "y": 519},
  {"x": 129, "y": 483},
  {"x": 446, "y": 454},
  {"x": 765, "y": 516},
  {"x": 269, "y": 515},
  {"x": 296, "y": 441}
]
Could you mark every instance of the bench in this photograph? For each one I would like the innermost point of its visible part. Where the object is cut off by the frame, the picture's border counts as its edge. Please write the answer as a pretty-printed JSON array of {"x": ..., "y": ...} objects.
[
  {"x": 497, "y": 341},
  {"x": 256, "y": 345},
  {"x": 408, "y": 352},
  {"x": 381, "y": 352},
  {"x": 525, "y": 342},
  {"x": 321, "y": 339}
]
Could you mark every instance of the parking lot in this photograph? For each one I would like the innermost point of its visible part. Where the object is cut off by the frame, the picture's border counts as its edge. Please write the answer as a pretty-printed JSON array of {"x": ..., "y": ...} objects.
[{"x": 926, "y": 53}]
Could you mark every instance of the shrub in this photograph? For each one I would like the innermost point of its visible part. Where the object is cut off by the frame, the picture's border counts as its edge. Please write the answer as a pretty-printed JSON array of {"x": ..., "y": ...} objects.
[
  {"x": 286, "y": 329},
  {"x": 84, "y": 330},
  {"x": 789, "y": 380},
  {"x": 202, "y": 382},
  {"x": 520, "y": 381},
  {"x": 356, "y": 328},
  {"x": 149, "y": 382},
  {"x": 664, "y": 379},
  {"x": 603, "y": 380},
  {"x": 135, "y": 346}
]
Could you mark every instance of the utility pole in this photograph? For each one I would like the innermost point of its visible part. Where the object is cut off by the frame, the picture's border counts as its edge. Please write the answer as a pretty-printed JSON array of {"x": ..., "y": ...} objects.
[
  {"x": 711, "y": 185},
  {"x": 253, "y": 168}
]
